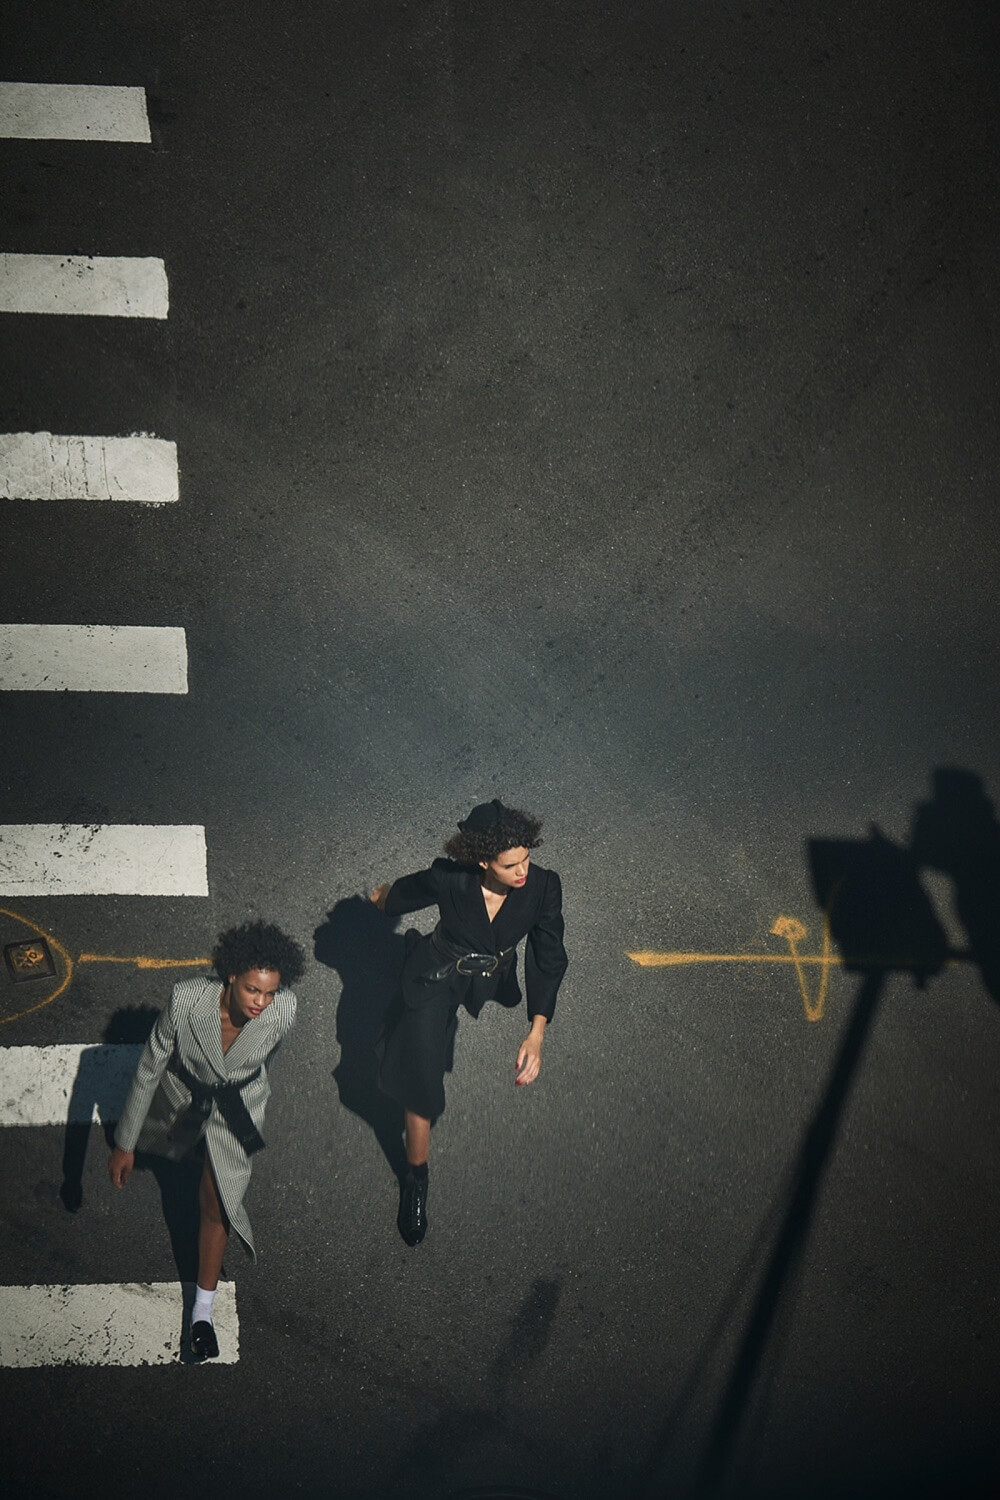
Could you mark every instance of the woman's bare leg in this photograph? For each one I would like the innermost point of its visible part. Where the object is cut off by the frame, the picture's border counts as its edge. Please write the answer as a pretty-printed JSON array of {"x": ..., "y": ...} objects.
[
  {"x": 213, "y": 1231},
  {"x": 418, "y": 1139}
]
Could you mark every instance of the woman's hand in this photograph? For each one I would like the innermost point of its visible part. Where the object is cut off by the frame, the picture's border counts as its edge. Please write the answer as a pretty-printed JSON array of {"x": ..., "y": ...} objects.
[
  {"x": 120, "y": 1164},
  {"x": 379, "y": 894},
  {"x": 529, "y": 1057}
]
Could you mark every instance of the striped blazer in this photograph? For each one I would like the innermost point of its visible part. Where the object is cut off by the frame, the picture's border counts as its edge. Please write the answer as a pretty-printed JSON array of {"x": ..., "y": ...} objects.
[{"x": 190, "y": 1029}]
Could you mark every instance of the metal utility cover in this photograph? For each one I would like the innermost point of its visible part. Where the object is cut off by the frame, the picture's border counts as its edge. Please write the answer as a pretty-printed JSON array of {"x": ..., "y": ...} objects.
[{"x": 29, "y": 960}]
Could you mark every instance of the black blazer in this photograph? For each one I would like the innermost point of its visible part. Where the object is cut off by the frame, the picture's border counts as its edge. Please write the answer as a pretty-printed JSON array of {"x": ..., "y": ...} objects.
[{"x": 532, "y": 911}]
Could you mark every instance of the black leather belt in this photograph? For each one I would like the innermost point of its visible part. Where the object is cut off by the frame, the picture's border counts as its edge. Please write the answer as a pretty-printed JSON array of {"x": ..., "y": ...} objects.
[
  {"x": 473, "y": 965},
  {"x": 228, "y": 1098}
]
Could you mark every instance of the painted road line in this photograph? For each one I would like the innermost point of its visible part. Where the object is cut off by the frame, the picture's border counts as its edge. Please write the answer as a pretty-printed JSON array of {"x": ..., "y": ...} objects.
[
  {"x": 72, "y": 112},
  {"x": 93, "y": 659},
  {"x": 103, "y": 859},
  {"x": 651, "y": 959},
  {"x": 794, "y": 932},
  {"x": 124, "y": 1323},
  {"x": 66, "y": 967},
  {"x": 98, "y": 286},
  {"x": 45, "y": 466},
  {"x": 74, "y": 1085},
  {"x": 143, "y": 961}
]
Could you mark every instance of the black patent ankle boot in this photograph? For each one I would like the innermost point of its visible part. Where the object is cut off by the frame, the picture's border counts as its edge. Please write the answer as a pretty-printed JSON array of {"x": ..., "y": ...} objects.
[{"x": 412, "y": 1219}]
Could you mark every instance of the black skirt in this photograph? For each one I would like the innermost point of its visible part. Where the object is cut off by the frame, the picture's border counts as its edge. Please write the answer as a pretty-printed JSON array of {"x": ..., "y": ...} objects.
[{"x": 417, "y": 1044}]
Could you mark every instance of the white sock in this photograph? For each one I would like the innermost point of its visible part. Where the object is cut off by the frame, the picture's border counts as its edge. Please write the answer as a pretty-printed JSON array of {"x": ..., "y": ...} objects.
[{"x": 202, "y": 1310}]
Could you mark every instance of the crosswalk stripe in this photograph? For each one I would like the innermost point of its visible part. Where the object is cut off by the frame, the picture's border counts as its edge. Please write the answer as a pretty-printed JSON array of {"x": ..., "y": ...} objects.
[
  {"x": 123, "y": 286},
  {"x": 47, "y": 466},
  {"x": 72, "y": 112},
  {"x": 117, "y": 1323},
  {"x": 65, "y": 1084},
  {"x": 93, "y": 659},
  {"x": 103, "y": 859}
]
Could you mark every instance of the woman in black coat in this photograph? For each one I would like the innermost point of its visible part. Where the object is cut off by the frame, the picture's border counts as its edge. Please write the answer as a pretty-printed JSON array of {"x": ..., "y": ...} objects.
[{"x": 489, "y": 896}]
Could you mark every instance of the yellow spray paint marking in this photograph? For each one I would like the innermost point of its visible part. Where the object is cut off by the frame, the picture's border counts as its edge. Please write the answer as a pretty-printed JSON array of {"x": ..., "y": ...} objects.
[
  {"x": 145, "y": 963},
  {"x": 70, "y": 965},
  {"x": 794, "y": 932},
  {"x": 60, "y": 951}
]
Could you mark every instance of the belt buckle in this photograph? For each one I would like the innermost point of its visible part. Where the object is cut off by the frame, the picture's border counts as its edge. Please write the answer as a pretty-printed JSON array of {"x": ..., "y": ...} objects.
[{"x": 479, "y": 973}]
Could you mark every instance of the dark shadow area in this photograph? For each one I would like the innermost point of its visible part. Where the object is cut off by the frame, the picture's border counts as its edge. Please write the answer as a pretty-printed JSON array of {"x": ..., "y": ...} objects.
[
  {"x": 102, "y": 1083},
  {"x": 528, "y": 1336},
  {"x": 430, "y": 1455},
  {"x": 654, "y": 1480},
  {"x": 792, "y": 1237},
  {"x": 881, "y": 918},
  {"x": 498, "y": 1492},
  {"x": 178, "y": 1182},
  {"x": 100, "y": 1086},
  {"x": 359, "y": 943},
  {"x": 957, "y": 832},
  {"x": 881, "y": 922}
]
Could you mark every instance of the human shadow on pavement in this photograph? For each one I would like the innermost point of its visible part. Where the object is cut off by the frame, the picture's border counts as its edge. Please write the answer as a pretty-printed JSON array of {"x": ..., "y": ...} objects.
[
  {"x": 882, "y": 922},
  {"x": 359, "y": 943},
  {"x": 101, "y": 1085},
  {"x": 99, "y": 1088}
]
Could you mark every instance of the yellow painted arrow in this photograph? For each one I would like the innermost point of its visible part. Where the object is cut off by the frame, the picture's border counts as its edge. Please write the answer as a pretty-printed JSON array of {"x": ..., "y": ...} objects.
[{"x": 794, "y": 932}]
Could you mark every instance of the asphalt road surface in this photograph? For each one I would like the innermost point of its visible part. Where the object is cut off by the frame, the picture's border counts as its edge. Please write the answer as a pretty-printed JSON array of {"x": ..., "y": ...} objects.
[{"x": 592, "y": 405}]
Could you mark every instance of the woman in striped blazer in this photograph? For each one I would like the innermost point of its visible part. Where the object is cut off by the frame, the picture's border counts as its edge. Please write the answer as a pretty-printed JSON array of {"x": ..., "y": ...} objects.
[{"x": 203, "y": 1077}]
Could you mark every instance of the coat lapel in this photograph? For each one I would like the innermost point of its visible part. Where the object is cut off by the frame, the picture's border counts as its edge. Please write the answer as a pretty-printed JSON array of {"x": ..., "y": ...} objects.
[
  {"x": 207, "y": 1027},
  {"x": 513, "y": 918},
  {"x": 479, "y": 920},
  {"x": 255, "y": 1036}
]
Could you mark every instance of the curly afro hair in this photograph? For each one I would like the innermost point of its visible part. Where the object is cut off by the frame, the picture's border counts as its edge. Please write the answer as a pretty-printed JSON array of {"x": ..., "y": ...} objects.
[
  {"x": 258, "y": 945},
  {"x": 513, "y": 829}
]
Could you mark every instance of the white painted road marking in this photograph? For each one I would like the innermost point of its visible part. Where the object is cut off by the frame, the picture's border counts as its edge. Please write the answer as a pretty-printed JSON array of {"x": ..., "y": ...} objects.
[
  {"x": 45, "y": 466},
  {"x": 93, "y": 659},
  {"x": 75, "y": 1085},
  {"x": 126, "y": 286},
  {"x": 72, "y": 112},
  {"x": 103, "y": 859},
  {"x": 124, "y": 1323}
]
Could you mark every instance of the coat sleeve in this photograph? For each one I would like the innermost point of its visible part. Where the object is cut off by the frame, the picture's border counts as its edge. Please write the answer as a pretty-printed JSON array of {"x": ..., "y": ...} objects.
[
  {"x": 152, "y": 1064},
  {"x": 545, "y": 960},
  {"x": 288, "y": 1013},
  {"x": 413, "y": 892}
]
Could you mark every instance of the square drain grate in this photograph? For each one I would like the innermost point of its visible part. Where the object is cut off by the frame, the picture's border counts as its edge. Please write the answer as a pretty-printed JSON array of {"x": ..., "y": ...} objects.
[{"x": 29, "y": 960}]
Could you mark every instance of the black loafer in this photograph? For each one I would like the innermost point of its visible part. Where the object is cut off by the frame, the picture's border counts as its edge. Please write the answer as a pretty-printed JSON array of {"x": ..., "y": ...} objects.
[
  {"x": 412, "y": 1219},
  {"x": 204, "y": 1344}
]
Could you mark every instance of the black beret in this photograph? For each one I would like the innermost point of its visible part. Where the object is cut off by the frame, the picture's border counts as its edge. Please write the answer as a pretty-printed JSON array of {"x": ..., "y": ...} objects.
[{"x": 483, "y": 817}]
